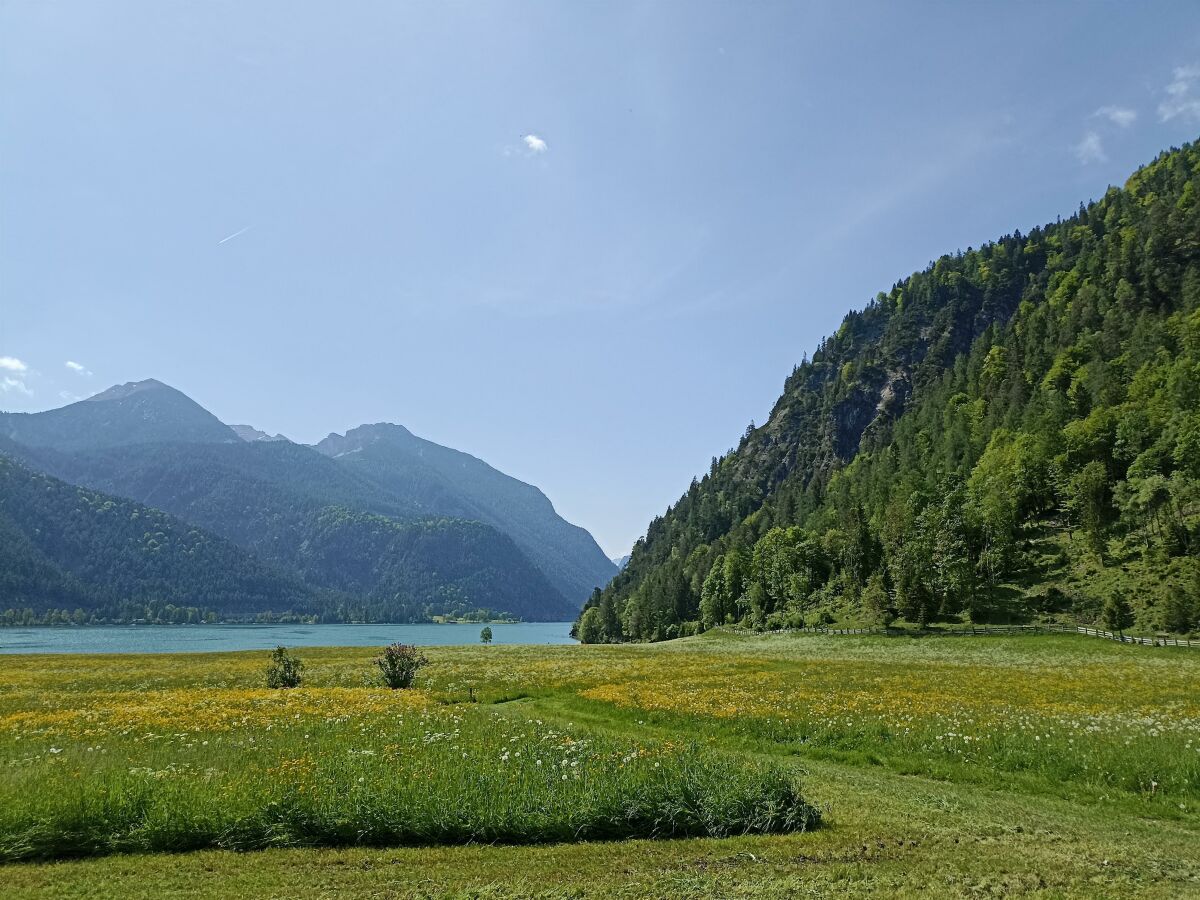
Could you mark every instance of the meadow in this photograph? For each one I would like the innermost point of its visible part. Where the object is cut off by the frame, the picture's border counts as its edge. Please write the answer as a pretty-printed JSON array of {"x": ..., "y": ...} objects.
[{"x": 1038, "y": 765}]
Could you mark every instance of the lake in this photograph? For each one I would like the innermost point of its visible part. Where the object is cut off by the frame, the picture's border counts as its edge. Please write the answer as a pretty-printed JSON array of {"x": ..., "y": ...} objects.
[{"x": 212, "y": 638}]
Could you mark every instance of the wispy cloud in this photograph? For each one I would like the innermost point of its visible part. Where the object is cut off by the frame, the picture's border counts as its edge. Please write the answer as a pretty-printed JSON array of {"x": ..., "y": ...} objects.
[
  {"x": 1181, "y": 100},
  {"x": 8, "y": 383},
  {"x": 1121, "y": 116},
  {"x": 230, "y": 237},
  {"x": 12, "y": 364},
  {"x": 77, "y": 367},
  {"x": 535, "y": 143},
  {"x": 1090, "y": 149}
]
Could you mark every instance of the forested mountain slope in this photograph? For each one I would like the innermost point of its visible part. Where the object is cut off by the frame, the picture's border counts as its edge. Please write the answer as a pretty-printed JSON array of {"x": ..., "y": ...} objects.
[
  {"x": 441, "y": 481},
  {"x": 1012, "y": 433},
  {"x": 64, "y": 547},
  {"x": 303, "y": 513}
]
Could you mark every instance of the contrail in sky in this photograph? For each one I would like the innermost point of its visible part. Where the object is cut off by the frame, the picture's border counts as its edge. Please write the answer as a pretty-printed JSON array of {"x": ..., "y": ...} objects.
[{"x": 232, "y": 236}]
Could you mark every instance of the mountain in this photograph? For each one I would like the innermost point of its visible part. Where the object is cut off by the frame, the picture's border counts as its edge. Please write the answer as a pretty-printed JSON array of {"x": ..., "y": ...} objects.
[
  {"x": 134, "y": 413},
  {"x": 1011, "y": 434},
  {"x": 440, "y": 481},
  {"x": 301, "y": 512},
  {"x": 250, "y": 433},
  {"x": 462, "y": 536},
  {"x": 63, "y": 547},
  {"x": 620, "y": 561},
  {"x": 411, "y": 571}
]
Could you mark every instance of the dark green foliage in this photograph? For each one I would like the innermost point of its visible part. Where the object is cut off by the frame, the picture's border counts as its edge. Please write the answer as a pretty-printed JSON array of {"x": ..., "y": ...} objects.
[
  {"x": 369, "y": 550},
  {"x": 441, "y": 481},
  {"x": 411, "y": 571},
  {"x": 63, "y": 546},
  {"x": 1181, "y": 609},
  {"x": 153, "y": 613},
  {"x": 398, "y": 664},
  {"x": 1015, "y": 418},
  {"x": 72, "y": 555},
  {"x": 1117, "y": 614},
  {"x": 485, "y": 635},
  {"x": 283, "y": 670}
]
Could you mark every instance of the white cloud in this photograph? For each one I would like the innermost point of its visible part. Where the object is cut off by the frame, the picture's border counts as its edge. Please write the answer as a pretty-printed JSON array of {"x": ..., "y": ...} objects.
[
  {"x": 77, "y": 367},
  {"x": 1090, "y": 149},
  {"x": 12, "y": 364},
  {"x": 534, "y": 143},
  {"x": 1181, "y": 101},
  {"x": 1120, "y": 116},
  {"x": 9, "y": 383}
]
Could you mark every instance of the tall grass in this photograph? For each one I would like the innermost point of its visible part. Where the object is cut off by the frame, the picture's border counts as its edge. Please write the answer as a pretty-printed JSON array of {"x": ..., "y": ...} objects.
[{"x": 438, "y": 775}]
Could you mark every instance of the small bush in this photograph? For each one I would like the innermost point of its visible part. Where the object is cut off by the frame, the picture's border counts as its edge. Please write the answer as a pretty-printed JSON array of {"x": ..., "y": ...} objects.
[
  {"x": 283, "y": 671},
  {"x": 399, "y": 663}
]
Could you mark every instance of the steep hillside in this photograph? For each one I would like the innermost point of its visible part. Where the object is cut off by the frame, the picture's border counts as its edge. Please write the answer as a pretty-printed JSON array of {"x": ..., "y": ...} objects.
[
  {"x": 445, "y": 482},
  {"x": 301, "y": 512},
  {"x": 412, "y": 571},
  {"x": 1012, "y": 433},
  {"x": 65, "y": 547},
  {"x": 134, "y": 413}
]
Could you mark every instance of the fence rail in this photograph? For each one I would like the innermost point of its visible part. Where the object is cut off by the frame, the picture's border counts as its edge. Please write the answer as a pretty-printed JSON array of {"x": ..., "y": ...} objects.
[{"x": 981, "y": 630}]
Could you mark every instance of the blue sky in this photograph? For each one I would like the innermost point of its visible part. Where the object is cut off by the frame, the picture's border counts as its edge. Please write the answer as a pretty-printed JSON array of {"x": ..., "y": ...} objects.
[{"x": 583, "y": 241}]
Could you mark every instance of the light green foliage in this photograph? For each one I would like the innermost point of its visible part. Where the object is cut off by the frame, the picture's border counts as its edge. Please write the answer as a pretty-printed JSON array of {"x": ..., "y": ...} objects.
[
  {"x": 590, "y": 631},
  {"x": 1024, "y": 425}
]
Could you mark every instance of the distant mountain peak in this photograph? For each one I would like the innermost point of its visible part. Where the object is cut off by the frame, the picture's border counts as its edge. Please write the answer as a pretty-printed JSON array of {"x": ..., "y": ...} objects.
[
  {"x": 379, "y": 431},
  {"x": 128, "y": 389},
  {"x": 363, "y": 436},
  {"x": 136, "y": 412},
  {"x": 250, "y": 434}
]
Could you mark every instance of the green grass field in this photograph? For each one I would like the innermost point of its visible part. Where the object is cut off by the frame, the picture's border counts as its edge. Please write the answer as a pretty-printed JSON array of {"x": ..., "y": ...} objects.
[{"x": 999, "y": 766}]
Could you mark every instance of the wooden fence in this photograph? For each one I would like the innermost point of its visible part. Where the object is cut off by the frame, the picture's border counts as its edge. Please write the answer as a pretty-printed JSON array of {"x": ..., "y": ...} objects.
[{"x": 980, "y": 630}]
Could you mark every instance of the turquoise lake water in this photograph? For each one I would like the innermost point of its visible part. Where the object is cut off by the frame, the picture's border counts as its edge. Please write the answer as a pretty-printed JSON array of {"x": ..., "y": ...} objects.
[{"x": 212, "y": 638}]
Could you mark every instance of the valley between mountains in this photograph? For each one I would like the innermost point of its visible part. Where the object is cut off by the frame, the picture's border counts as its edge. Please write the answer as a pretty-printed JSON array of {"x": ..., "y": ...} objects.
[{"x": 211, "y": 522}]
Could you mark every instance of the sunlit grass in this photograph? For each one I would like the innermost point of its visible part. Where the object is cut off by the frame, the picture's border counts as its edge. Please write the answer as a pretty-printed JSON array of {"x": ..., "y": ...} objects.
[
  {"x": 245, "y": 768},
  {"x": 102, "y": 754}
]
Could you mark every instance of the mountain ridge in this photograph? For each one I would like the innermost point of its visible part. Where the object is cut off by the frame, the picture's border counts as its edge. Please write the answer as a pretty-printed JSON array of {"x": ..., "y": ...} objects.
[
  {"x": 453, "y": 482},
  {"x": 134, "y": 412},
  {"x": 276, "y": 499}
]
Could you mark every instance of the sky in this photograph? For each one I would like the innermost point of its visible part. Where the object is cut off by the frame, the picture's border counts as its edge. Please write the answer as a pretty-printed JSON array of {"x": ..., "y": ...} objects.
[{"x": 583, "y": 241}]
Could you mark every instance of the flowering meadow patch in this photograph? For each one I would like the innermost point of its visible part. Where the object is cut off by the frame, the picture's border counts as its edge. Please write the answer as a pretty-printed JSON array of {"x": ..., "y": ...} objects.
[
  {"x": 1126, "y": 721},
  {"x": 90, "y": 772},
  {"x": 103, "y": 754}
]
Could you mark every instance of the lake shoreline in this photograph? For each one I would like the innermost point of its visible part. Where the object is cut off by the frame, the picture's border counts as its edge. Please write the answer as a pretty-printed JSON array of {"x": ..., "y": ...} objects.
[{"x": 224, "y": 637}]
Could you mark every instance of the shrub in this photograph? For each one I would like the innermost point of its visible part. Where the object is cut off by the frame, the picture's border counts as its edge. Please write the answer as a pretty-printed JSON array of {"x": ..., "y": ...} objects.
[
  {"x": 485, "y": 636},
  {"x": 283, "y": 671},
  {"x": 399, "y": 663},
  {"x": 1117, "y": 614}
]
